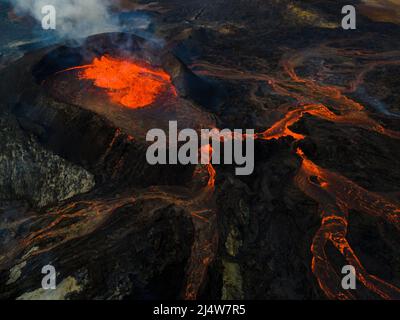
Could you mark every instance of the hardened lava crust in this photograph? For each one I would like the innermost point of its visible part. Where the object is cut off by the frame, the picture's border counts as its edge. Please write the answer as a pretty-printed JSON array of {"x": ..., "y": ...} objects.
[{"x": 77, "y": 192}]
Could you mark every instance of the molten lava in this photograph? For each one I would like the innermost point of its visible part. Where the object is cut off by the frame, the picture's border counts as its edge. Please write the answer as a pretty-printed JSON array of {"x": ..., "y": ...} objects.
[
  {"x": 335, "y": 194},
  {"x": 130, "y": 83},
  {"x": 336, "y": 197}
]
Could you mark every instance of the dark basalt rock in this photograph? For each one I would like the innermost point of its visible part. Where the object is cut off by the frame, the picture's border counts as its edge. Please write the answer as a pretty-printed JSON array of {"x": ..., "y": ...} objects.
[
  {"x": 146, "y": 242},
  {"x": 94, "y": 140},
  {"x": 133, "y": 235}
]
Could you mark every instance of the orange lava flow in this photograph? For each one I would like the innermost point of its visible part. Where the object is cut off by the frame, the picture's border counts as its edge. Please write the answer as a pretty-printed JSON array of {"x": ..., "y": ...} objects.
[
  {"x": 335, "y": 194},
  {"x": 204, "y": 248},
  {"x": 129, "y": 83}
]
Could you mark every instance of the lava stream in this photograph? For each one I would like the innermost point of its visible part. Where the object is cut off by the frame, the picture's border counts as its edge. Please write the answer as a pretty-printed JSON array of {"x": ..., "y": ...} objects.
[{"x": 136, "y": 85}]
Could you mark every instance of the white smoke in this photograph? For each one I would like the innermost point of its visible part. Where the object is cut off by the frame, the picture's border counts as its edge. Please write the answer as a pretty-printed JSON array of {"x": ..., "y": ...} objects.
[{"x": 74, "y": 18}]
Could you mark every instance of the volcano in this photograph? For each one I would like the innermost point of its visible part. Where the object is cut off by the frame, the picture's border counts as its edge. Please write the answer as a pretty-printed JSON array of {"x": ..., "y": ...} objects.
[
  {"x": 78, "y": 193},
  {"x": 124, "y": 98}
]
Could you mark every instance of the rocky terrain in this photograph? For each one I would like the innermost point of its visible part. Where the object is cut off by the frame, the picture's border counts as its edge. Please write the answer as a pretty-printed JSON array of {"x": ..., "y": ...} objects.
[{"x": 76, "y": 191}]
